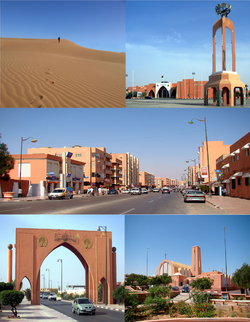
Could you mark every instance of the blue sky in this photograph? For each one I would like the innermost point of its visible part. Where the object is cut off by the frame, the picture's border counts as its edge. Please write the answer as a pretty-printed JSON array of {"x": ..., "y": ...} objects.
[
  {"x": 174, "y": 39},
  {"x": 92, "y": 24},
  {"x": 162, "y": 139},
  {"x": 9, "y": 223},
  {"x": 175, "y": 235}
]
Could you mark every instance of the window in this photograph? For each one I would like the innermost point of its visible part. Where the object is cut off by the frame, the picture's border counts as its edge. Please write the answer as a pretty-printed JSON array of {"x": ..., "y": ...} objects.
[
  {"x": 246, "y": 181},
  {"x": 233, "y": 184},
  {"x": 238, "y": 156},
  {"x": 78, "y": 155},
  {"x": 239, "y": 181},
  {"x": 247, "y": 152},
  {"x": 233, "y": 159}
]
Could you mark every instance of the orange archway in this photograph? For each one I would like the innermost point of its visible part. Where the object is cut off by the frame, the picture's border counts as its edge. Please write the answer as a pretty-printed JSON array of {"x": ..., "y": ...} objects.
[{"x": 34, "y": 245}]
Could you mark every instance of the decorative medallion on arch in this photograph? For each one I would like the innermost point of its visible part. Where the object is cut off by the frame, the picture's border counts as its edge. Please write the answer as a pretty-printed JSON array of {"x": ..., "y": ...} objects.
[{"x": 34, "y": 245}]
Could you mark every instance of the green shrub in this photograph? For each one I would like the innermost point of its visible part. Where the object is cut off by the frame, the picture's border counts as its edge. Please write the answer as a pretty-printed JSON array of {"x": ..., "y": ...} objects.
[
  {"x": 234, "y": 314},
  {"x": 12, "y": 298},
  {"x": 200, "y": 297},
  {"x": 242, "y": 298},
  {"x": 131, "y": 300},
  {"x": 28, "y": 294},
  {"x": 157, "y": 304},
  {"x": 184, "y": 308},
  {"x": 204, "y": 310},
  {"x": 118, "y": 294}
]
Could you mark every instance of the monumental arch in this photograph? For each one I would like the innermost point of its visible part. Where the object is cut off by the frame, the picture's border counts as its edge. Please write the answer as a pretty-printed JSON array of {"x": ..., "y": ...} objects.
[
  {"x": 224, "y": 83},
  {"x": 34, "y": 245}
]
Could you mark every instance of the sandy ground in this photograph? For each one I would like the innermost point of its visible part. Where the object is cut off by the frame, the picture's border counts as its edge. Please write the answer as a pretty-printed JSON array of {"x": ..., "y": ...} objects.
[{"x": 45, "y": 73}]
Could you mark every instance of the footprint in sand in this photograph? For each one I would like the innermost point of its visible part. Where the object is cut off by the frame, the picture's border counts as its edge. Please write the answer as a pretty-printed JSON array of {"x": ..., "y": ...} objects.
[
  {"x": 50, "y": 82},
  {"x": 37, "y": 101},
  {"x": 47, "y": 73}
]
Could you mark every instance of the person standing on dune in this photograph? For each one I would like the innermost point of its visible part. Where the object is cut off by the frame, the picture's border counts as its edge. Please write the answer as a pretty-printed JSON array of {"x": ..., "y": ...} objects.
[{"x": 58, "y": 39}]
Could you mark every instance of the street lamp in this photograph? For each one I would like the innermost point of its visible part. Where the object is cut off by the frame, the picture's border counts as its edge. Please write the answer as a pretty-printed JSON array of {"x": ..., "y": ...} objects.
[
  {"x": 20, "y": 170},
  {"x": 47, "y": 269},
  {"x": 43, "y": 281},
  {"x": 147, "y": 262},
  {"x": 193, "y": 83},
  {"x": 106, "y": 284},
  {"x": 191, "y": 122},
  {"x": 225, "y": 254},
  {"x": 51, "y": 284},
  {"x": 60, "y": 260},
  {"x": 194, "y": 160}
]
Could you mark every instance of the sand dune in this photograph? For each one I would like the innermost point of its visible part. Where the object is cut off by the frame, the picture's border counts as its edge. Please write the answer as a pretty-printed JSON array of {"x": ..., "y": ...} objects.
[{"x": 45, "y": 73}]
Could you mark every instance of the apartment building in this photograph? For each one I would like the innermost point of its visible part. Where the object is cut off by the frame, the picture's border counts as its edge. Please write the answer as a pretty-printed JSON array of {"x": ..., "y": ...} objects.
[
  {"x": 215, "y": 148},
  {"x": 102, "y": 169},
  {"x": 97, "y": 163},
  {"x": 46, "y": 172},
  {"x": 129, "y": 169},
  {"x": 233, "y": 169},
  {"x": 146, "y": 179}
]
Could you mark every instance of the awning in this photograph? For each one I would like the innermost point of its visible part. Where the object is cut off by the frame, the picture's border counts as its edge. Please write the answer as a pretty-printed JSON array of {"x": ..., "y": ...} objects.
[
  {"x": 237, "y": 174},
  {"x": 226, "y": 181},
  {"x": 225, "y": 166},
  {"x": 217, "y": 184},
  {"x": 246, "y": 175},
  {"x": 246, "y": 146}
]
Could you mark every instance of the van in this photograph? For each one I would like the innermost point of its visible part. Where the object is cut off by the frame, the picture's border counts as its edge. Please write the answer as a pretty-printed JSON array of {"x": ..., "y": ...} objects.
[{"x": 61, "y": 193}]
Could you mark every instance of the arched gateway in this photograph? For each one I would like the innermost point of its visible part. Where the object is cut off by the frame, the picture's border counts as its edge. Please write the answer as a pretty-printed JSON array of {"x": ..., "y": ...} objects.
[{"x": 34, "y": 245}]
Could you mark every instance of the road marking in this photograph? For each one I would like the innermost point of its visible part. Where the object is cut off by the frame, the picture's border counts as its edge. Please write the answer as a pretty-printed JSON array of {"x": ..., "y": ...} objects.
[
  {"x": 127, "y": 211},
  {"x": 151, "y": 201},
  {"x": 16, "y": 209}
]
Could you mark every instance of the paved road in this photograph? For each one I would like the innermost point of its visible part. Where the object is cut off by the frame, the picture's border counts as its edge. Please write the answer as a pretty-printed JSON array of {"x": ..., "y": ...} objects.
[
  {"x": 171, "y": 102},
  {"x": 152, "y": 203},
  {"x": 101, "y": 314}
]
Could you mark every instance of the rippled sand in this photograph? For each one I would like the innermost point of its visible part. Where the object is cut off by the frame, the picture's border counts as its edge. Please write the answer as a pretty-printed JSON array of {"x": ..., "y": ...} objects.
[{"x": 45, "y": 73}]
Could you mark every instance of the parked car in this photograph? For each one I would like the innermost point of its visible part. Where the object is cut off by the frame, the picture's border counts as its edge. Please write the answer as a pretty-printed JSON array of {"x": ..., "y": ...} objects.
[
  {"x": 126, "y": 191},
  {"x": 165, "y": 190},
  {"x": 194, "y": 195},
  {"x": 175, "y": 288},
  {"x": 112, "y": 192},
  {"x": 83, "y": 305},
  {"x": 185, "y": 289},
  {"x": 135, "y": 191},
  {"x": 144, "y": 190},
  {"x": 52, "y": 296},
  {"x": 148, "y": 97},
  {"x": 45, "y": 295},
  {"x": 61, "y": 193},
  {"x": 156, "y": 190},
  {"x": 41, "y": 295}
]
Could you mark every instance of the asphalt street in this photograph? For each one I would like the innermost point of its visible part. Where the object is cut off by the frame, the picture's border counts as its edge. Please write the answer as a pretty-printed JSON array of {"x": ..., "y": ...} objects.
[
  {"x": 171, "y": 102},
  {"x": 100, "y": 315},
  {"x": 152, "y": 203}
]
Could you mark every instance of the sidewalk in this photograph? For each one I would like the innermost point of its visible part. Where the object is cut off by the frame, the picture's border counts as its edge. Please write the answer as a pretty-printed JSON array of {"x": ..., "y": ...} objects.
[
  {"x": 30, "y": 313},
  {"x": 39, "y": 198},
  {"x": 231, "y": 205}
]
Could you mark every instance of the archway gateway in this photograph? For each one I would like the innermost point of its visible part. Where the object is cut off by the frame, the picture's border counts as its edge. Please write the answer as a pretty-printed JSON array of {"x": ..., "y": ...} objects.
[{"x": 34, "y": 245}]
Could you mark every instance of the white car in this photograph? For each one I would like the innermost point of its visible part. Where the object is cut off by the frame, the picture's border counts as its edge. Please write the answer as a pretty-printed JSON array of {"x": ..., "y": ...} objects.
[
  {"x": 126, "y": 191},
  {"x": 52, "y": 296},
  {"x": 61, "y": 193},
  {"x": 144, "y": 190},
  {"x": 156, "y": 190},
  {"x": 135, "y": 191},
  {"x": 45, "y": 295}
]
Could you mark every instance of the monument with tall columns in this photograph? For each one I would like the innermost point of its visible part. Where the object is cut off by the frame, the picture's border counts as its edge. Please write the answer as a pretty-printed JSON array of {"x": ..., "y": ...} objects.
[{"x": 224, "y": 83}]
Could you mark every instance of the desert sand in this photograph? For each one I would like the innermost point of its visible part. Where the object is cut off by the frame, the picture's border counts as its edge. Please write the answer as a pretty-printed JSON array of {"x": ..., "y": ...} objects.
[{"x": 45, "y": 73}]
